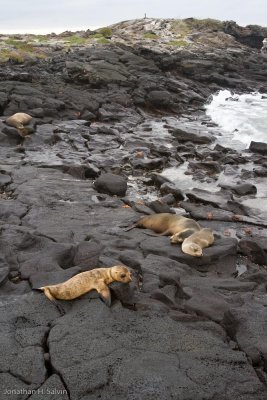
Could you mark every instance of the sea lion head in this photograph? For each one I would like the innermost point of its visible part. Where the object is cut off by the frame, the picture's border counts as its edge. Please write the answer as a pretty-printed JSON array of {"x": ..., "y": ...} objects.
[
  {"x": 120, "y": 273},
  {"x": 176, "y": 238},
  {"x": 193, "y": 249}
]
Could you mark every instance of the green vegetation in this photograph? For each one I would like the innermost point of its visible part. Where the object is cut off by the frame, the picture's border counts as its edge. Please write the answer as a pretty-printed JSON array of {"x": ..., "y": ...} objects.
[
  {"x": 106, "y": 32},
  {"x": 20, "y": 45},
  {"x": 150, "y": 35},
  {"x": 6, "y": 55},
  {"x": 186, "y": 26},
  {"x": 96, "y": 36},
  {"x": 177, "y": 43},
  {"x": 103, "y": 41},
  {"x": 41, "y": 38},
  {"x": 74, "y": 40},
  {"x": 180, "y": 27},
  {"x": 206, "y": 23}
]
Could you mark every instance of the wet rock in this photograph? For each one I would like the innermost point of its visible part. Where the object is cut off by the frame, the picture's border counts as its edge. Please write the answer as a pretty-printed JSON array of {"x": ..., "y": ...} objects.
[
  {"x": 258, "y": 147},
  {"x": 159, "y": 207},
  {"x": 242, "y": 189},
  {"x": 169, "y": 199},
  {"x": 216, "y": 199},
  {"x": 167, "y": 188},
  {"x": 185, "y": 136},
  {"x": 148, "y": 163},
  {"x": 111, "y": 184},
  {"x": 159, "y": 180},
  {"x": 212, "y": 167}
]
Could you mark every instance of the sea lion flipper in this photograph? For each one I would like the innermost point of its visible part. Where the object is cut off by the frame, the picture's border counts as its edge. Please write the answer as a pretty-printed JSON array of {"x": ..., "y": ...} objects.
[
  {"x": 48, "y": 294},
  {"x": 104, "y": 292},
  {"x": 130, "y": 228}
]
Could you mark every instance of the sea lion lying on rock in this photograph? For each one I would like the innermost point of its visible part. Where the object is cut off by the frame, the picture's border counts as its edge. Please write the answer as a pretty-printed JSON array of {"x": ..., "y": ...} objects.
[
  {"x": 194, "y": 244},
  {"x": 18, "y": 121},
  {"x": 84, "y": 282},
  {"x": 168, "y": 224}
]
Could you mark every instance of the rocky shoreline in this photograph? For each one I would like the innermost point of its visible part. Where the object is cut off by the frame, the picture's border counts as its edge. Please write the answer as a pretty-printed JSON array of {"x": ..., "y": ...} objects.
[{"x": 120, "y": 130}]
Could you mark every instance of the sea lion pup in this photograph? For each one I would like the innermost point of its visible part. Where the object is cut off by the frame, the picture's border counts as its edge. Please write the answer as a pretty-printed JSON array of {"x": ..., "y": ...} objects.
[
  {"x": 18, "y": 121},
  {"x": 84, "y": 282},
  {"x": 194, "y": 244},
  {"x": 168, "y": 224}
]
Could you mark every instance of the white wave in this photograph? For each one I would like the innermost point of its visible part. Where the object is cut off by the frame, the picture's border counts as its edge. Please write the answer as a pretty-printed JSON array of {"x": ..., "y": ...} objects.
[{"x": 241, "y": 118}]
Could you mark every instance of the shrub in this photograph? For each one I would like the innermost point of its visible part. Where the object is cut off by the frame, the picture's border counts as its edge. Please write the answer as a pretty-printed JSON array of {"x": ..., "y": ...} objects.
[
  {"x": 16, "y": 57},
  {"x": 106, "y": 32}
]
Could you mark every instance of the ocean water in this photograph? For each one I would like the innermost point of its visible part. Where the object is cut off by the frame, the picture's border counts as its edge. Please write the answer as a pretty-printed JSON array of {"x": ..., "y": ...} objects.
[{"x": 241, "y": 118}]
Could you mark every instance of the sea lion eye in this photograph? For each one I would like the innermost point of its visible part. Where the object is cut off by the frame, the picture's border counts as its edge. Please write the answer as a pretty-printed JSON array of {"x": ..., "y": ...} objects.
[{"x": 123, "y": 275}]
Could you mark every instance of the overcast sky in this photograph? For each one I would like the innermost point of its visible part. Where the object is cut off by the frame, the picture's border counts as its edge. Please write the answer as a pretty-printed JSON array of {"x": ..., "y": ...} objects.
[{"x": 59, "y": 15}]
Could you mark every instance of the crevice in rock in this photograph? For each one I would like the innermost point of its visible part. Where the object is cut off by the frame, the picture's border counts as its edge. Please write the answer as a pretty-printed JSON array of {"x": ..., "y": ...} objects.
[
  {"x": 231, "y": 333},
  {"x": 48, "y": 364}
]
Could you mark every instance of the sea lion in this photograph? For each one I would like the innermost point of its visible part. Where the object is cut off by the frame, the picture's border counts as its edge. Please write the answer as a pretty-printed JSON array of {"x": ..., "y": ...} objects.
[
  {"x": 18, "y": 121},
  {"x": 194, "y": 244},
  {"x": 168, "y": 224},
  {"x": 84, "y": 282}
]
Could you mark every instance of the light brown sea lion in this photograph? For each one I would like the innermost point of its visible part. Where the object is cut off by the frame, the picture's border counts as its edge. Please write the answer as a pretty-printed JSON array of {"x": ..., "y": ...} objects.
[
  {"x": 194, "y": 244},
  {"x": 168, "y": 224},
  {"x": 84, "y": 282},
  {"x": 18, "y": 121}
]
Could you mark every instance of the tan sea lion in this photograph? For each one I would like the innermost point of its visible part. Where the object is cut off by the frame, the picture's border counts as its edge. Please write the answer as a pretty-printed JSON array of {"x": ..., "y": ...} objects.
[
  {"x": 194, "y": 244},
  {"x": 168, "y": 224},
  {"x": 84, "y": 282},
  {"x": 18, "y": 121}
]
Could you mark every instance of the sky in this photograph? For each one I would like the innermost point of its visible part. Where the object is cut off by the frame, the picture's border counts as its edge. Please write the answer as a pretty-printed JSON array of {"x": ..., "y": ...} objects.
[{"x": 45, "y": 16}]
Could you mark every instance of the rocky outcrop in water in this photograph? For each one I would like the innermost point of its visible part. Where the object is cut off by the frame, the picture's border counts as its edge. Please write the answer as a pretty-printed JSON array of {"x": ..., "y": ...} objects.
[{"x": 110, "y": 122}]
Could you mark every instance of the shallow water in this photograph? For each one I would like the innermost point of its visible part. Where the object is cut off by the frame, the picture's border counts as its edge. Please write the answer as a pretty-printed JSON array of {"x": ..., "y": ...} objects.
[{"x": 241, "y": 118}]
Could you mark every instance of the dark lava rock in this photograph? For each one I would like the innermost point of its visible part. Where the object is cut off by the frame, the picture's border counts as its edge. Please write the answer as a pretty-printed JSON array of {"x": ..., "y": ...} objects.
[
  {"x": 255, "y": 249},
  {"x": 258, "y": 147},
  {"x": 148, "y": 163},
  {"x": 129, "y": 361},
  {"x": 247, "y": 327},
  {"x": 4, "y": 180},
  {"x": 159, "y": 180},
  {"x": 185, "y": 136},
  {"x": 242, "y": 189},
  {"x": 159, "y": 207},
  {"x": 212, "y": 167},
  {"x": 52, "y": 389},
  {"x": 111, "y": 184},
  {"x": 221, "y": 249},
  {"x": 4, "y": 271},
  {"x": 167, "y": 188}
]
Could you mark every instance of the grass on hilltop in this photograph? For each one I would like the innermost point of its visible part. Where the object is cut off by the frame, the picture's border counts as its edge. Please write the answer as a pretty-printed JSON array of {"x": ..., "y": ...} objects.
[
  {"x": 186, "y": 26},
  {"x": 178, "y": 43},
  {"x": 150, "y": 35}
]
